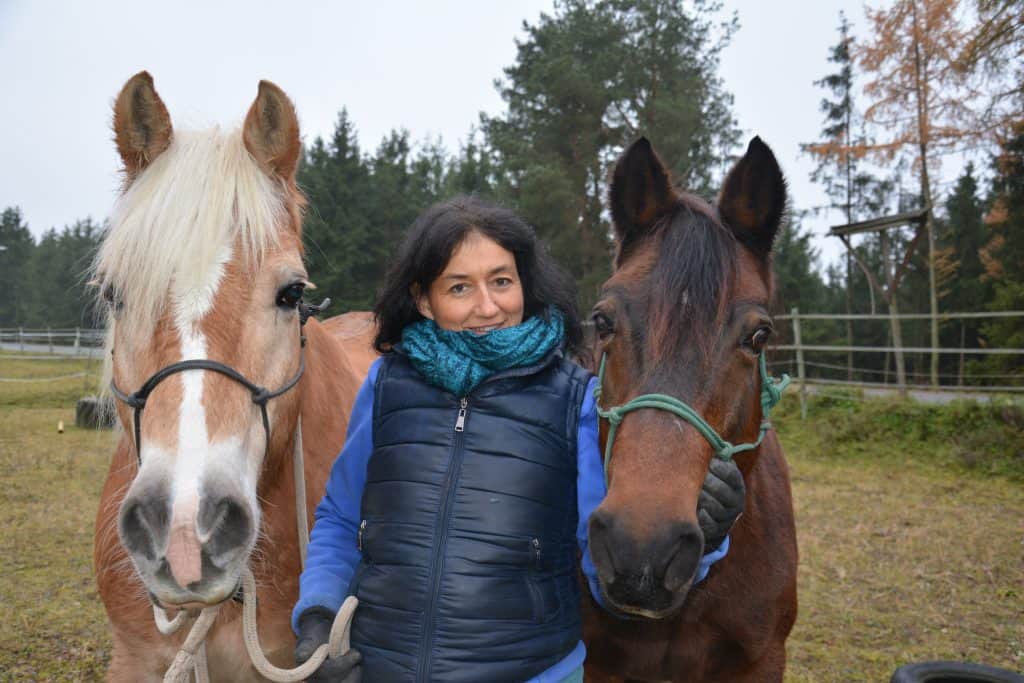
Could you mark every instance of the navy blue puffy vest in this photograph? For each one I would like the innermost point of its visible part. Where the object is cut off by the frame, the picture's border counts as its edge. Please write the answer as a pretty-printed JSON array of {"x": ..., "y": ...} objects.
[{"x": 468, "y": 531}]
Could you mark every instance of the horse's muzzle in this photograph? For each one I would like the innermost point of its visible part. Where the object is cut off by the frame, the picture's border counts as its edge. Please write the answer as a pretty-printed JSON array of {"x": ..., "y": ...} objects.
[
  {"x": 187, "y": 559},
  {"x": 644, "y": 576}
]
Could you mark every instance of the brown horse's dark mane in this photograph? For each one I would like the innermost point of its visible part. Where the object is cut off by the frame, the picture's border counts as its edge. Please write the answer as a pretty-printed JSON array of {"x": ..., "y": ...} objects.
[{"x": 689, "y": 282}]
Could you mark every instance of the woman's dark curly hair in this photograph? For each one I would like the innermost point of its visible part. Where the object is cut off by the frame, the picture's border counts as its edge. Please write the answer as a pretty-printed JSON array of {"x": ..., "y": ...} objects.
[{"x": 429, "y": 245}]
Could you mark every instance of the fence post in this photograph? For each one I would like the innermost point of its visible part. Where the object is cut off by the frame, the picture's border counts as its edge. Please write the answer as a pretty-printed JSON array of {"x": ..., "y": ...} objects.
[
  {"x": 795, "y": 312},
  {"x": 78, "y": 339},
  {"x": 21, "y": 338},
  {"x": 49, "y": 338},
  {"x": 963, "y": 338}
]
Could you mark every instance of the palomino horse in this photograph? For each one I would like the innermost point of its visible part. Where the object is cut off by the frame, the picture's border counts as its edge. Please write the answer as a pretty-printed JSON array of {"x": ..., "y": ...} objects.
[
  {"x": 202, "y": 271},
  {"x": 685, "y": 315}
]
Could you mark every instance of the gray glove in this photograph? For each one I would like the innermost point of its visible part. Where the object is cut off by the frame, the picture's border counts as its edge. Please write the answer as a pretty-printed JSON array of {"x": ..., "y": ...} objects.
[
  {"x": 721, "y": 501},
  {"x": 314, "y": 630}
]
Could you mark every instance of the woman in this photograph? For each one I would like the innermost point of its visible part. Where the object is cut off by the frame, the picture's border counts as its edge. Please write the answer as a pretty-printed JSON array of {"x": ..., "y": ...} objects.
[{"x": 459, "y": 504}]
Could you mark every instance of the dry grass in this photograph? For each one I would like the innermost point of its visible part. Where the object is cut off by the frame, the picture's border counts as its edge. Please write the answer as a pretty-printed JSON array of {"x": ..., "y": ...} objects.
[{"x": 908, "y": 552}]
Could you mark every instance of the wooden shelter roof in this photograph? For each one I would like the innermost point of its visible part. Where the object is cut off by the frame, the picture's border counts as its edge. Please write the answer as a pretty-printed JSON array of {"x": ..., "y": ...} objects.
[{"x": 879, "y": 224}]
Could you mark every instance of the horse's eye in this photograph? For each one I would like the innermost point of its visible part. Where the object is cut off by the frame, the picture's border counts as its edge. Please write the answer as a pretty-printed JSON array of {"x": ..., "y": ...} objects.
[
  {"x": 112, "y": 298},
  {"x": 602, "y": 325},
  {"x": 291, "y": 295},
  {"x": 757, "y": 341}
]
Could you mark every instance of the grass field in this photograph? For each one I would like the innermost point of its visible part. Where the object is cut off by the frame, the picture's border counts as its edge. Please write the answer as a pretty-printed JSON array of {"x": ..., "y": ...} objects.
[{"x": 910, "y": 522}]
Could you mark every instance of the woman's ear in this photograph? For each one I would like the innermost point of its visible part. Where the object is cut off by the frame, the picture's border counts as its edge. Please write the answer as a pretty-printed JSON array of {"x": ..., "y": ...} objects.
[{"x": 422, "y": 302}]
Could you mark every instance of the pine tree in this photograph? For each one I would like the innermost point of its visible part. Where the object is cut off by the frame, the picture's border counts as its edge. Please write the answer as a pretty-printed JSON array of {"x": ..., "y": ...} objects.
[
  {"x": 61, "y": 296},
  {"x": 588, "y": 80},
  {"x": 1003, "y": 258},
  {"x": 794, "y": 263},
  {"x": 338, "y": 230},
  {"x": 471, "y": 172},
  {"x": 16, "y": 248},
  {"x": 964, "y": 234},
  {"x": 838, "y": 163}
]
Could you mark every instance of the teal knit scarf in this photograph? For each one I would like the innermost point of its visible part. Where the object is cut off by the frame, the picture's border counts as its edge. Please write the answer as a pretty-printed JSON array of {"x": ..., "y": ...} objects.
[{"x": 460, "y": 361}]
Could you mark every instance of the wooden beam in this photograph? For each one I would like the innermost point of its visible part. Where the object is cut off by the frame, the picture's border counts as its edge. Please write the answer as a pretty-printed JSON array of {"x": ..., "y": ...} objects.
[{"x": 879, "y": 224}]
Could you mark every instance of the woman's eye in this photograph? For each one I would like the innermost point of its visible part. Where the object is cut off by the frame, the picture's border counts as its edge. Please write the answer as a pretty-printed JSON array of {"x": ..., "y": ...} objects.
[
  {"x": 503, "y": 282},
  {"x": 602, "y": 325},
  {"x": 459, "y": 288},
  {"x": 290, "y": 296},
  {"x": 758, "y": 339}
]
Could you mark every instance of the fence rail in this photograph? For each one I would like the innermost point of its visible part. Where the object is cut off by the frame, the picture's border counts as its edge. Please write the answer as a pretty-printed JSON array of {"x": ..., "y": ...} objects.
[
  {"x": 75, "y": 341},
  {"x": 79, "y": 341},
  {"x": 820, "y": 372}
]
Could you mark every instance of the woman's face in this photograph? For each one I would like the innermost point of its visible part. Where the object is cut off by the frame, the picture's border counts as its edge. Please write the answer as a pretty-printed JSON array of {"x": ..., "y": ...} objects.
[{"x": 479, "y": 289}]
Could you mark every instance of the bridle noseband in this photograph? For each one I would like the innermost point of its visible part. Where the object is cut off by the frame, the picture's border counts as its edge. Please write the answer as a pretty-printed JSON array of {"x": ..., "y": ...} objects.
[
  {"x": 771, "y": 393},
  {"x": 260, "y": 395}
]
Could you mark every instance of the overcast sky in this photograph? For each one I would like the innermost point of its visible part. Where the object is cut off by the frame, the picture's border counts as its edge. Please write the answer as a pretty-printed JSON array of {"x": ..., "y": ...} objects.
[{"x": 425, "y": 66}]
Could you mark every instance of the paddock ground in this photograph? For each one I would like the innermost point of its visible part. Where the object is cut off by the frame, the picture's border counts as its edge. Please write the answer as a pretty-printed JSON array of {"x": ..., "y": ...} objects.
[{"x": 910, "y": 522}]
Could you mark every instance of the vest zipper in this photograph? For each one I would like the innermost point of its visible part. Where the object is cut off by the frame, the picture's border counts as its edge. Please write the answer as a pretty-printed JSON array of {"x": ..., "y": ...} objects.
[
  {"x": 460, "y": 421},
  {"x": 359, "y": 537},
  {"x": 531, "y": 583},
  {"x": 451, "y": 479}
]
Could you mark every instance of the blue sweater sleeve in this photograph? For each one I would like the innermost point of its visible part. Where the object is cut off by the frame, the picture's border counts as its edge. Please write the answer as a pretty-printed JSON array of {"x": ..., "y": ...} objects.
[
  {"x": 333, "y": 553},
  {"x": 590, "y": 485},
  {"x": 591, "y": 490}
]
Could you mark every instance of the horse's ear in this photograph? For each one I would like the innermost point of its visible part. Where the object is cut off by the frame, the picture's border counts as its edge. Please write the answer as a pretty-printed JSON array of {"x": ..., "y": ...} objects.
[
  {"x": 142, "y": 126},
  {"x": 753, "y": 197},
  {"x": 641, "y": 191},
  {"x": 271, "y": 132}
]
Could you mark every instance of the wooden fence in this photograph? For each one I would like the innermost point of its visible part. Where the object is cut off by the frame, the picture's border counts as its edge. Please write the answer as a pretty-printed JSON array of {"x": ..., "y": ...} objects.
[
  {"x": 793, "y": 357},
  {"x": 74, "y": 341}
]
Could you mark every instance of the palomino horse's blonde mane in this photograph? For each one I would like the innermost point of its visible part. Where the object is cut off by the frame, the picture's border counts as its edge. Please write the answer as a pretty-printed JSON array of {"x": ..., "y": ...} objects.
[{"x": 180, "y": 219}]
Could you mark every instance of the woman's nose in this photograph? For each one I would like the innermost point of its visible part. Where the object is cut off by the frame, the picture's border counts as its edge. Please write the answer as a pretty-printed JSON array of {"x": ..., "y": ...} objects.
[{"x": 486, "y": 306}]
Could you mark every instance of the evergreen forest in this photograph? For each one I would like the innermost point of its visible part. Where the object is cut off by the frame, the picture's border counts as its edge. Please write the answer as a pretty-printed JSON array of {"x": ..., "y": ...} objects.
[{"x": 593, "y": 75}]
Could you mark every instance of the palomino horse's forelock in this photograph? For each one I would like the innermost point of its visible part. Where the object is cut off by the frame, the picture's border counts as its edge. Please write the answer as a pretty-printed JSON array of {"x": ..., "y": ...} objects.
[{"x": 172, "y": 225}]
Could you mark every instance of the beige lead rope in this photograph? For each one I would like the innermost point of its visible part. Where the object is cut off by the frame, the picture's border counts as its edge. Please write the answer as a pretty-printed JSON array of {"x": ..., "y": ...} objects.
[
  {"x": 191, "y": 658},
  {"x": 299, "y": 474}
]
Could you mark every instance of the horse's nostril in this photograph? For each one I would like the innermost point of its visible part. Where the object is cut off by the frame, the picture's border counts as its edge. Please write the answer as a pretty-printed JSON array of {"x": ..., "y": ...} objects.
[
  {"x": 599, "y": 537},
  {"x": 682, "y": 559},
  {"x": 143, "y": 525},
  {"x": 225, "y": 527}
]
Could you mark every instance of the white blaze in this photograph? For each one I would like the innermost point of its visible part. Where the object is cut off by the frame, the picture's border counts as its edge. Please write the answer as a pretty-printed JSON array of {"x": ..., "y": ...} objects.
[{"x": 192, "y": 301}]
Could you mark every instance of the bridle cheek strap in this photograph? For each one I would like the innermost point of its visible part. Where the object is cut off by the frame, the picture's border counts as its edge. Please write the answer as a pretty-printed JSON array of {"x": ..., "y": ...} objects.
[{"x": 771, "y": 393}]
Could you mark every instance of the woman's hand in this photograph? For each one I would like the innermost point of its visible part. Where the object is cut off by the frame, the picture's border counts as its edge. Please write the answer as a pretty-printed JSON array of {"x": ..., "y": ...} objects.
[
  {"x": 314, "y": 631},
  {"x": 721, "y": 502}
]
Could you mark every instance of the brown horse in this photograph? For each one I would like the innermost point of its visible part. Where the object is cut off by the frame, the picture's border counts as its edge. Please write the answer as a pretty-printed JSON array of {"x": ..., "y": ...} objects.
[
  {"x": 685, "y": 314},
  {"x": 203, "y": 264}
]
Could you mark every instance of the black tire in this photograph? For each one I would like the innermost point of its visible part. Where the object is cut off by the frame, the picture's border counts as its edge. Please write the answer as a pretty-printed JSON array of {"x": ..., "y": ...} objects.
[{"x": 953, "y": 672}]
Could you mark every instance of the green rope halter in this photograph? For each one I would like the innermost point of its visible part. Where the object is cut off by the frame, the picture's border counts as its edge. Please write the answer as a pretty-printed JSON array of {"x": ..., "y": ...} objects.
[{"x": 771, "y": 393}]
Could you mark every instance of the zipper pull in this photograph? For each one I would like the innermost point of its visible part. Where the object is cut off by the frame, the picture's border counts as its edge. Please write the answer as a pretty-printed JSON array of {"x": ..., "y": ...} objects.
[
  {"x": 460, "y": 423},
  {"x": 359, "y": 537},
  {"x": 536, "y": 551}
]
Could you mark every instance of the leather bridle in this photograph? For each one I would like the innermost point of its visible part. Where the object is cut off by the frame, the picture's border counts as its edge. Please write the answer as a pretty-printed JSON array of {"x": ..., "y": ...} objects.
[{"x": 260, "y": 395}]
